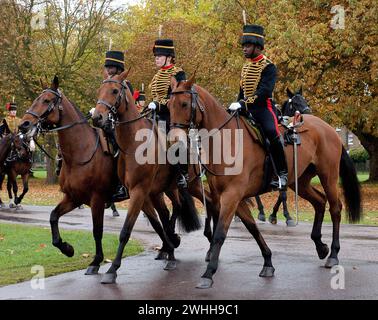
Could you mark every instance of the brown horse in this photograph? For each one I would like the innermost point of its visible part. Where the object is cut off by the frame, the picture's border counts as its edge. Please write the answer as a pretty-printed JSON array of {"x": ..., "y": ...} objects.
[
  {"x": 87, "y": 175},
  {"x": 18, "y": 162},
  {"x": 320, "y": 153},
  {"x": 146, "y": 181},
  {"x": 5, "y": 147}
]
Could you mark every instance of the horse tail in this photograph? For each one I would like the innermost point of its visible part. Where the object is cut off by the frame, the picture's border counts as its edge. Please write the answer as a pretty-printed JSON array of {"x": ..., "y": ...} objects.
[
  {"x": 351, "y": 187},
  {"x": 188, "y": 217}
]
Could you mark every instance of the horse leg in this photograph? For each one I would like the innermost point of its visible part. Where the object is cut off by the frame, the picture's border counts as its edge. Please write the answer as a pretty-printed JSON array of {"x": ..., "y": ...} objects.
[
  {"x": 289, "y": 220},
  {"x": 66, "y": 205},
  {"x": 318, "y": 201},
  {"x": 168, "y": 247},
  {"x": 2, "y": 176},
  {"x": 249, "y": 222},
  {"x": 9, "y": 189},
  {"x": 97, "y": 208},
  {"x": 273, "y": 215},
  {"x": 114, "y": 209},
  {"x": 260, "y": 206},
  {"x": 137, "y": 198},
  {"x": 25, "y": 184},
  {"x": 330, "y": 188},
  {"x": 228, "y": 204}
]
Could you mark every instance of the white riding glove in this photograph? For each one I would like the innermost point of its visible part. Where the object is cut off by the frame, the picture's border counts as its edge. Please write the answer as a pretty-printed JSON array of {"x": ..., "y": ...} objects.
[
  {"x": 32, "y": 145},
  {"x": 152, "y": 106},
  {"x": 92, "y": 111},
  {"x": 234, "y": 106}
]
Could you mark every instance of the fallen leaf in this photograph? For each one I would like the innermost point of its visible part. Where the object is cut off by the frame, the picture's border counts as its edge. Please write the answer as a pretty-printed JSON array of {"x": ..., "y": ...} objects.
[
  {"x": 108, "y": 260},
  {"x": 42, "y": 245},
  {"x": 85, "y": 255},
  {"x": 2, "y": 238}
]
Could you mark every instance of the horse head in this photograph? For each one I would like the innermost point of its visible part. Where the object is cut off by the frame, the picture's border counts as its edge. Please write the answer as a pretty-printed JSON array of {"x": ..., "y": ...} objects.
[
  {"x": 44, "y": 111},
  {"x": 112, "y": 94},
  {"x": 21, "y": 146},
  {"x": 296, "y": 102}
]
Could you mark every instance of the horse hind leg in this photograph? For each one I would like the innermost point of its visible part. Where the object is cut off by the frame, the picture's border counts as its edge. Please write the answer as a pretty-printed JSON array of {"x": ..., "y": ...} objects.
[
  {"x": 289, "y": 220},
  {"x": 318, "y": 201},
  {"x": 25, "y": 189},
  {"x": 250, "y": 224},
  {"x": 97, "y": 208},
  {"x": 66, "y": 205}
]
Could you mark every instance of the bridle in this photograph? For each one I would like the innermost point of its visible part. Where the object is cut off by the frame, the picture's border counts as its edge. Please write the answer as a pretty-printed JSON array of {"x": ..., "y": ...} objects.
[
  {"x": 291, "y": 106},
  {"x": 194, "y": 103}
]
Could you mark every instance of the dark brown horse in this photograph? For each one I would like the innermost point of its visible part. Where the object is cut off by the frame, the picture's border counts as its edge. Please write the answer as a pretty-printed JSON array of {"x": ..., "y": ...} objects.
[
  {"x": 146, "y": 181},
  {"x": 5, "y": 146},
  {"x": 18, "y": 162},
  {"x": 321, "y": 153}
]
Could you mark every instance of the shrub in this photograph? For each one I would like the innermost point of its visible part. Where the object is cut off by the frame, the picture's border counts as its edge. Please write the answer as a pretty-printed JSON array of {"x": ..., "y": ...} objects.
[{"x": 359, "y": 155}]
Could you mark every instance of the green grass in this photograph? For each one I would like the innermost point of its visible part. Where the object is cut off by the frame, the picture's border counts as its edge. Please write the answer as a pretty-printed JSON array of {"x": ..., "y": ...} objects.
[
  {"x": 39, "y": 174},
  {"x": 22, "y": 247},
  {"x": 362, "y": 177}
]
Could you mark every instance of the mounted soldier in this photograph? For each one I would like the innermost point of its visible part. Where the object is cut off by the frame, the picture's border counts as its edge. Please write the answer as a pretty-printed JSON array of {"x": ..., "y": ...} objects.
[
  {"x": 258, "y": 78},
  {"x": 11, "y": 118},
  {"x": 160, "y": 87}
]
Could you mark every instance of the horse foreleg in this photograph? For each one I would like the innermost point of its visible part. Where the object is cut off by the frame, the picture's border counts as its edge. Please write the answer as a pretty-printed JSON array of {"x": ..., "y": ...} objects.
[
  {"x": 9, "y": 189},
  {"x": 114, "y": 209},
  {"x": 137, "y": 197},
  {"x": 228, "y": 203},
  {"x": 25, "y": 189},
  {"x": 276, "y": 207},
  {"x": 97, "y": 208},
  {"x": 249, "y": 222},
  {"x": 260, "y": 206},
  {"x": 66, "y": 205},
  {"x": 289, "y": 220}
]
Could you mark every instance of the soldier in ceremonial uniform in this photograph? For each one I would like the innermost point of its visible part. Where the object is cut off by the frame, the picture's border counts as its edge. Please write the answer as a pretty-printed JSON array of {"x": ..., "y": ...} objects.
[
  {"x": 258, "y": 78},
  {"x": 160, "y": 86},
  {"x": 140, "y": 98},
  {"x": 12, "y": 119}
]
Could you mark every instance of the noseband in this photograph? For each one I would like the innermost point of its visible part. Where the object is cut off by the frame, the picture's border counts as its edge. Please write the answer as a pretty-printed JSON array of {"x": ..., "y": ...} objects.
[
  {"x": 194, "y": 103},
  {"x": 113, "y": 108}
]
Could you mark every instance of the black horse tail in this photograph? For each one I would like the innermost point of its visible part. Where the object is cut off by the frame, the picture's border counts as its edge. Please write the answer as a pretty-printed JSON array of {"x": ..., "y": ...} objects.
[
  {"x": 351, "y": 187},
  {"x": 188, "y": 217}
]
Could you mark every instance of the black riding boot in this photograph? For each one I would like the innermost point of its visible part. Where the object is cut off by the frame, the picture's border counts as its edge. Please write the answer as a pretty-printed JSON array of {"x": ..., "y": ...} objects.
[
  {"x": 279, "y": 159},
  {"x": 121, "y": 193},
  {"x": 59, "y": 163}
]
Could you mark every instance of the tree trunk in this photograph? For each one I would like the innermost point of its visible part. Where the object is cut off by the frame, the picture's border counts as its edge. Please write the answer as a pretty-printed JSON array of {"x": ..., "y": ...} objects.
[
  {"x": 370, "y": 143},
  {"x": 50, "y": 164}
]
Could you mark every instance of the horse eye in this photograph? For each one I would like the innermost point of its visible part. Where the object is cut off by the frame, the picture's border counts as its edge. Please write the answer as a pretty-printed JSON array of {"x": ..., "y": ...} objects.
[
  {"x": 46, "y": 101},
  {"x": 185, "y": 104},
  {"x": 115, "y": 91}
]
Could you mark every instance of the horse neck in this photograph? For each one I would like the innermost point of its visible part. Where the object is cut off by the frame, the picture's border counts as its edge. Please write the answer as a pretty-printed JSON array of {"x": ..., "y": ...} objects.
[
  {"x": 129, "y": 130},
  {"x": 79, "y": 137}
]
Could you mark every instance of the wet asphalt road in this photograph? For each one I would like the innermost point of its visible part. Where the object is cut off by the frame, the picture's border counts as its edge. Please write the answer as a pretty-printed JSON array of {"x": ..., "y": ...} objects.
[{"x": 299, "y": 272}]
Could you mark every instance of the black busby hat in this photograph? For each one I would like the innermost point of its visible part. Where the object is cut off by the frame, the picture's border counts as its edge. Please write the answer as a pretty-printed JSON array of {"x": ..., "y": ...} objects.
[
  {"x": 253, "y": 33},
  {"x": 142, "y": 96},
  {"x": 115, "y": 59},
  {"x": 164, "y": 47},
  {"x": 11, "y": 106}
]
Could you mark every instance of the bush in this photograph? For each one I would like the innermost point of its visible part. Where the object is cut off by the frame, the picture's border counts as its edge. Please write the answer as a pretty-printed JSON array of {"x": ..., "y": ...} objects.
[{"x": 359, "y": 155}]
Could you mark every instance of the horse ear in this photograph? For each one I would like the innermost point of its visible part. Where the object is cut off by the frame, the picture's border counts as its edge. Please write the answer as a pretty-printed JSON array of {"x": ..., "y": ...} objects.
[
  {"x": 174, "y": 83},
  {"x": 43, "y": 85},
  {"x": 289, "y": 93},
  {"x": 124, "y": 74},
  {"x": 55, "y": 83},
  {"x": 300, "y": 91},
  {"x": 191, "y": 80}
]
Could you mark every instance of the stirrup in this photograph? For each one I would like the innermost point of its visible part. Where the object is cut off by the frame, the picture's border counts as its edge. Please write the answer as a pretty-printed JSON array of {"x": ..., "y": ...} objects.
[
  {"x": 182, "y": 181},
  {"x": 280, "y": 184}
]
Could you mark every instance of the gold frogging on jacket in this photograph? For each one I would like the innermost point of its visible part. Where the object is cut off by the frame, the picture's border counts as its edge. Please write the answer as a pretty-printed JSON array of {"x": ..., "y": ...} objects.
[
  {"x": 250, "y": 77},
  {"x": 160, "y": 84}
]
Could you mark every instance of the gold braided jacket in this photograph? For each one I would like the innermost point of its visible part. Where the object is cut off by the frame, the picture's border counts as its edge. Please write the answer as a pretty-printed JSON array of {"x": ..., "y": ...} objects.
[
  {"x": 13, "y": 123},
  {"x": 251, "y": 75},
  {"x": 161, "y": 82}
]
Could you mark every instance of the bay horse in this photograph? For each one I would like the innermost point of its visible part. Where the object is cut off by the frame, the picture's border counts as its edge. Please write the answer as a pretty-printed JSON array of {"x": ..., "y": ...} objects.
[
  {"x": 18, "y": 162},
  {"x": 87, "y": 175},
  {"x": 115, "y": 106},
  {"x": 321, "y": 153}
]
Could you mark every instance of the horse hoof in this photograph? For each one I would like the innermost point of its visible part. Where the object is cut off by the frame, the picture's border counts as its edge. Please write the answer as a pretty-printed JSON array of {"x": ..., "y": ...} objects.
[
  {"x": 3, "y": 205},
  {"x": 19, "y": 207},
  {"x": 115, "y": 214},
  {"x": 91, "y": 270},
  {"x": 176, "y": 240},
  {"x": 67, "y": 249},
  {"x": 290, "y": 223},
  {"x": 267, "y": 272},
  {"x": 205, "y": 283},
  {"x": 207, "y": 258},
  {"x": 272, "y": 220},
  {"x": 261, "y": 217},
  {"x": 109, "y": 278},
  {"x": 322, "y": 251},
  {"x": 331, "y": 262},
  {"x": 12, "y": 205},
  {"x": 161, "y": 255},
  {"x": 170, "y": 265}
]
